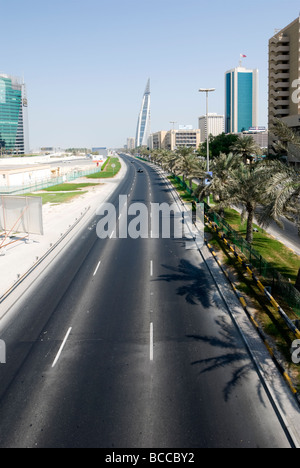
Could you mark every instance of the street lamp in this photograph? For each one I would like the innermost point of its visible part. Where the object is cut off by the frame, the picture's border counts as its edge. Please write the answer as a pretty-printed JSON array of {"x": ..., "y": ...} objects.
[{"x": 207, "y": 90}]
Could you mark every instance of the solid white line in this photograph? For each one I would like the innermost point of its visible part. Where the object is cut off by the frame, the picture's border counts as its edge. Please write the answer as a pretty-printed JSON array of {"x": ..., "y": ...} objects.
[
  {"x": 111, "y": 236},
  {"x": 95, "y": 272},
  {"x": 151, "y": 341},
  {"x": 62, "y": 347},
  {"x": 151, "y": 268}
]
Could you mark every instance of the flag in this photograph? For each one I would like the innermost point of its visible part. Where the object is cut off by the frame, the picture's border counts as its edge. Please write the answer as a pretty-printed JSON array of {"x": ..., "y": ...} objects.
[{"x": 244, "y": 56}]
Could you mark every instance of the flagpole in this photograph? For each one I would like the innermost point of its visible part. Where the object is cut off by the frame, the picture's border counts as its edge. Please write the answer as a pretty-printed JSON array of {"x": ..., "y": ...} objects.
[{"x": 241, "y": 61}]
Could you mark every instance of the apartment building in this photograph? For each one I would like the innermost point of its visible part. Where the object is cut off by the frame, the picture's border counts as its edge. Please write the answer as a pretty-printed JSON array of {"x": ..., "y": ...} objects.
[
  {"x": 284, "y": 79},
  {"x": 174, "y": 139},
  {"x": 130, "y": 143},
  {"x": 215, "y": 125}
]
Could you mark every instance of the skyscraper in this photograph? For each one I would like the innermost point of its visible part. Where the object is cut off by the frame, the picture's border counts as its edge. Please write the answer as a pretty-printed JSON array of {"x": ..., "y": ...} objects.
[
  {"x": 284, "y": 81},
  {"x": 13, "y": 115},
  {"x": 241, "y": 100},
  {"x": 144, "y": 121}
]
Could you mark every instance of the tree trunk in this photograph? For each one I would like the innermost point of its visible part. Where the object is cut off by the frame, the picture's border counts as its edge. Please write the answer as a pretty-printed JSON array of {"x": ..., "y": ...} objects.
[
  {"x": 297, "y": 285},
  {"x": 249, "y": 236}
]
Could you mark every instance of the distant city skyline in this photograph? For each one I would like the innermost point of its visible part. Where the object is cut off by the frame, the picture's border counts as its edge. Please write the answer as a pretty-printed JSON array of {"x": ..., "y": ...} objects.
[{"x": 85, "y": 64}]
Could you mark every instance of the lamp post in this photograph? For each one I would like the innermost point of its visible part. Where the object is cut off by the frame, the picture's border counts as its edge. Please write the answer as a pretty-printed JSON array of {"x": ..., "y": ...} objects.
[{"x": 207, "y": 90}]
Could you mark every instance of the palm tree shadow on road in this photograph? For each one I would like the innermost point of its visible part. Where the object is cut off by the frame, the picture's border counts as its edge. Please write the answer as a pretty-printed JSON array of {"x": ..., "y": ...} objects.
[
  {"x": 232, "y": 355},
  {"x": 195, "y": 286},
  {"x": 197, "y": 289}
]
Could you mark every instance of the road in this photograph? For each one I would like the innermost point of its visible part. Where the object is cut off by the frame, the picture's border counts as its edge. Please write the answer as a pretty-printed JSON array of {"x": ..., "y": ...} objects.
[{"x": 125, "y": 343}]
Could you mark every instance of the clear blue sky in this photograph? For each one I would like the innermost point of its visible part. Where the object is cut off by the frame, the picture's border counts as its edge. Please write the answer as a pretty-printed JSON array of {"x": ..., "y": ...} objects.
[{"x": 86, "y": 63}]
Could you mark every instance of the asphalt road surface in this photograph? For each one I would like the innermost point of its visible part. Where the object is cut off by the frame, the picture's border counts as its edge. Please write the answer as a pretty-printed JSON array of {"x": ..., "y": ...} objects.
[{"x": 125, "y": 343}]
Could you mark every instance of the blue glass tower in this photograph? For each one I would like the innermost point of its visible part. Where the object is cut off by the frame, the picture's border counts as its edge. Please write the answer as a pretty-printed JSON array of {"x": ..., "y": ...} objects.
[
  {"x": 241, "y": 100},
  {"x": 144, "y": 120},
  {"x": 13, "y": 115}
]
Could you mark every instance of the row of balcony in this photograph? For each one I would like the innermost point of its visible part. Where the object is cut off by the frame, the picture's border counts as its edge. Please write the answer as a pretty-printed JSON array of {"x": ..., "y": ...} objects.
[
  {"x": 279, "y": 84},
  {"x": 278, "y": 102},
  {"x": 279, "y": 58},
  {"x": 275, "y": 49},
  {"x": 279, "y": 94},
  {"x": 278, "y": 113},
  {"x": 278, "y": 76},
  {"x": 279, "y": 66}
]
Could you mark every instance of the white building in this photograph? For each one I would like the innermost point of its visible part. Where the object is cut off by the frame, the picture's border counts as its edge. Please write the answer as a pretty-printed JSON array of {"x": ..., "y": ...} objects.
[
  {"x": 215, "y": 125},
  {"x": 130, "y": 143}
]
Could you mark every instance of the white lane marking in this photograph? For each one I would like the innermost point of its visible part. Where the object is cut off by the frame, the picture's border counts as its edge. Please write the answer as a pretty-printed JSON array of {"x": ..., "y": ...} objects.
[
  {"x": 151, "y": 341},
  {"x": 61, "y": 348},
  {"x": 95, "y": 272},
  {"x": 151, "y": 268},
  {"x": 111, "y": 236}
]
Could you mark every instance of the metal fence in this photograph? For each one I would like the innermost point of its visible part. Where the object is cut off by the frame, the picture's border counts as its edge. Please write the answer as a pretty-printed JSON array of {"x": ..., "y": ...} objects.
[
  {"x": 273, "y": 278},
  {"x": 46, "y": 183},
  {"x": 278, "y": 283}
]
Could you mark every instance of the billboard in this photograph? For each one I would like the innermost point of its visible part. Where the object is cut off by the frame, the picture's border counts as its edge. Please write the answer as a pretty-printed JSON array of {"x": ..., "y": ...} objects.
[{"x": 21, "y": 214}]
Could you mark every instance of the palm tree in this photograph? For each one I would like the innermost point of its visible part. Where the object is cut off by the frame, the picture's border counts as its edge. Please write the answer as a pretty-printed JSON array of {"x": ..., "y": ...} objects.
[
  {"x": 246, "y": 147},
  {"x": 220, "y": 183},
  {"x": 282, "y": 195},
  {"x": 248, "y": 190},
  {"x": 284, "y": 136},
  {"x": 187, "y": 164}
]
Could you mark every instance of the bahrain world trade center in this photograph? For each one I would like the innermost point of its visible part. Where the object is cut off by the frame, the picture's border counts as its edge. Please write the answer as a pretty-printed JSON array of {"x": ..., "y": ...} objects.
[{"x": 144, "y": 120}]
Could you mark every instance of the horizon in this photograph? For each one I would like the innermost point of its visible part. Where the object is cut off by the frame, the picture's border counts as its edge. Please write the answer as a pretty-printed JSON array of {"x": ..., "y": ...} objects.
[{"x": 85, "y": 66}]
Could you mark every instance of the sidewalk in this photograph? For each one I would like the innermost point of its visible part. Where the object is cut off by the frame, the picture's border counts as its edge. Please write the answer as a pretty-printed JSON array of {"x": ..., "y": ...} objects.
[
  {"x": 287, "y": 236},
  {"x": 57, "y": 219}
]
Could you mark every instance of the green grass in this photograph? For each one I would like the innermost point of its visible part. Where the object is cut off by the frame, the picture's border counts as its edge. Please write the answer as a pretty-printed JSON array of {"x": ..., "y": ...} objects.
[
  {"x": 277, "y": 254},
  {"x": 273, "y": 251},
  {"x": 68, "y": 187},
  {"x": 182, "y": 192},
  {"x": 56, "y": 198},
  {"x": 108, "y": 171}
]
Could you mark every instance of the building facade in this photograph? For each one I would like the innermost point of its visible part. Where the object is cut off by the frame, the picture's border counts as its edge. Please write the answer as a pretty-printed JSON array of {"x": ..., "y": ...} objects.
[
  {"x": 284, "y": 79},
  {"x": 14, "y": 136},
  {"x": 241, "y": 100},
  {"x": 144, "y": 119},
  {"x": 130, "y": 143},
  {"x": 174, "y": 139},
  {"x": 215, "y": 126}
]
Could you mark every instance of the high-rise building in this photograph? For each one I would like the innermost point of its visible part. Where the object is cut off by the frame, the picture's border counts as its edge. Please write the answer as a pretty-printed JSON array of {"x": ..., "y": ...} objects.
[
  {"x": 13, "y": 115},
  {"x": 130, "y": 143},
  {"x": 215, "y": 125},
  {"x": 144, "y": 120},
  {"x": 241, "y": 100},
  {"x": 284, "y": 79}
]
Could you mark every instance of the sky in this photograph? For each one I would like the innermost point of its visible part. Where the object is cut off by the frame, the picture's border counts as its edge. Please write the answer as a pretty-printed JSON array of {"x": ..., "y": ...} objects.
[{"x": 86, "y": 63}]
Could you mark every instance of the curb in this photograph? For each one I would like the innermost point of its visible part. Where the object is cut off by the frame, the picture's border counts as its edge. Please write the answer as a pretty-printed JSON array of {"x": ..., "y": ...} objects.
[
  {"x": 242, "y": 300},
  {"x": 263, "y": 289}
]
